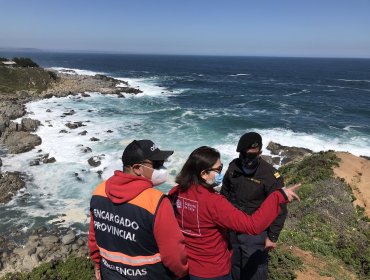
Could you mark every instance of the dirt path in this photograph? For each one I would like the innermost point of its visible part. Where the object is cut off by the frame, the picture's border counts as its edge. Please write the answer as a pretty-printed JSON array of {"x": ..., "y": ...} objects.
[
  {"x": 356, "y": 172},
  {"x": 314, "y": 267}
]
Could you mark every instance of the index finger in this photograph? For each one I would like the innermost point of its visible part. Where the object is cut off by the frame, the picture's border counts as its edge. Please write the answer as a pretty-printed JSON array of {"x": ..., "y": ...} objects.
[{"x": 294, "y": 187}]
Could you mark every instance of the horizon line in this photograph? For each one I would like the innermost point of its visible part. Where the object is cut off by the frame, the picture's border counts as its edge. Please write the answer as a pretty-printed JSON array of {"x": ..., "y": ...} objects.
[{"x": 37, "y": 50}]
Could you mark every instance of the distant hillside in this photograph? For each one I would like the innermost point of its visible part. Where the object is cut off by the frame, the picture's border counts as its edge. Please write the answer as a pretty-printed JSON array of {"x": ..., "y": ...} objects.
[{"x": 13, "y": 79}]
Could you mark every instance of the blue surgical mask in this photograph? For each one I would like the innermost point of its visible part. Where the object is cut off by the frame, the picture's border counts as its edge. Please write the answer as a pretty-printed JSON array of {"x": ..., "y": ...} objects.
[{"x": 218, "y": 178}]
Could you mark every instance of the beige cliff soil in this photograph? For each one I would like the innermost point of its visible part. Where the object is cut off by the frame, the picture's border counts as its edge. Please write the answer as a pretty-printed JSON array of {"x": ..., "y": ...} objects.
[
  {"x": 314, "y": 267},
  {"x": 356, "y": 172}
]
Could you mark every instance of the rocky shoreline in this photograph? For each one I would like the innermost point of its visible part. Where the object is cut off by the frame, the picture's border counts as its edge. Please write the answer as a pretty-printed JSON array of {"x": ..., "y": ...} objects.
[{"x": 18, "y": 253}]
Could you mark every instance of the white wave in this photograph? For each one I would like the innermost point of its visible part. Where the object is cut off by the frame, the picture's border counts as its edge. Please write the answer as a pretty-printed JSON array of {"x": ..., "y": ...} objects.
[
  {"x": 349, "y": 127},
  {"x": 240, "y": 74},
  {"x": 347, "y": 80},
  {"x": 187, "y": 113},
  {"x": 357, "y": 145},
  {"x": 74, "y": 71},
  {"x": 149, "y": 87}
]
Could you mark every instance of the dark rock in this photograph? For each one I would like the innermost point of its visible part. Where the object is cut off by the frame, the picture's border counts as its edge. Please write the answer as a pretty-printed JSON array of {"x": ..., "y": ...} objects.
[
  {"x": 94, "y": 139},
  {"x": 69, "y": 238},
  {"x": 87, "y": 150},
  {"x": 94, "y": 161},
  {"x": 74, "y": 125},
  {"x": 30, "y": 124},
  {"x": 82, "y": 132},
  {"x": 31, "y": 251},
  {"x": 100, "y": 173},
  {"x": 10, "y": 183},
  {"x": 78, "y": 178},
  {"x": 85, "y": 95},
  {"x": 365, "y": 157},
  {"x": 12, "y": 110},
  {"x": 49, "y": 160},
  {"x": 4, "y": 123},
  {"x": 48, "y": 110},
  {"x": 63, "y": 131},
  {"x": 49, "y": 240},
  {"x": 20, "y": 141},
  {"x": 70, "y": 113},
  {"x": 34, "y": 162},
  {"x": 109, "y": 131},
  {"x": 286, "y": 153}
]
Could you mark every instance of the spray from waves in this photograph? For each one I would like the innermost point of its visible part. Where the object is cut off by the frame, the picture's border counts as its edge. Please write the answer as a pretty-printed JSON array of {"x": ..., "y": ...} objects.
[
  {"x": 149, "y": 87},
  {"x": 73, "y": 71},
  {"x": 357, "y": 145}
]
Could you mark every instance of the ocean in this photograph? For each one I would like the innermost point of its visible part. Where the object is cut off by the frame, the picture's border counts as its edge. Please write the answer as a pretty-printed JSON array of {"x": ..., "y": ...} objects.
[{"x": 187, "y": 102}]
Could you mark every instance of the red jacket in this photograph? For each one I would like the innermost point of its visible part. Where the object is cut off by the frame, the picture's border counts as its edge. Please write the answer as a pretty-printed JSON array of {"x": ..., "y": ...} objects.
[
  {"x": 121, "y": 188},
  {"x": 205, "y": 217}
]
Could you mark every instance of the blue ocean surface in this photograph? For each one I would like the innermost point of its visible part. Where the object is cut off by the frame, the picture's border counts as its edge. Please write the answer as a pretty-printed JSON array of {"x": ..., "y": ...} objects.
[{"x": 187, "y": 102}]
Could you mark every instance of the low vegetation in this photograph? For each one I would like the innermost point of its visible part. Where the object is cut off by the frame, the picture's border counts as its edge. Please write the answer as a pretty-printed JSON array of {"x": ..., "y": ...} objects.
[
  {"x": 13, "y": 79},
  {"x": 74, "y": 268},
  {"x": 325, "y": 221}
]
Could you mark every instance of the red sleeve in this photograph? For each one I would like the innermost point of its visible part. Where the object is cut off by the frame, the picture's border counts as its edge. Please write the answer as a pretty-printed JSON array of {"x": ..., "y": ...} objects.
[
  {"x": 227, "y": 216},
  {"x": 93, "y": 247},
  {"x": 170, "y": 240}
]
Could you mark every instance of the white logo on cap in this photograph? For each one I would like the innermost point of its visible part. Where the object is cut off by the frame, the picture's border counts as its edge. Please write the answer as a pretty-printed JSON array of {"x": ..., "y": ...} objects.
[{"x": 154, "y": 147}]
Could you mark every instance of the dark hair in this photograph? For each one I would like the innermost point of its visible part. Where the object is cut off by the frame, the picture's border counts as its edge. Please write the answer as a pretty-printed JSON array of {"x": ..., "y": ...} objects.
[{"x": 200, "y": 159}]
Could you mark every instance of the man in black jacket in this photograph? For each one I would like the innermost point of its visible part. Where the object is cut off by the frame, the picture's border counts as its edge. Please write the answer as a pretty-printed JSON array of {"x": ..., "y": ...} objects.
[{"x": 246, "y": 184}]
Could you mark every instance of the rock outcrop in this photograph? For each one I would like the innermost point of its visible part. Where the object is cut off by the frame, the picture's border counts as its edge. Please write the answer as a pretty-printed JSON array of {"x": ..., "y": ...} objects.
[
  {"x": 287, "y": 154},
  {"x": 10, "y": 183}
]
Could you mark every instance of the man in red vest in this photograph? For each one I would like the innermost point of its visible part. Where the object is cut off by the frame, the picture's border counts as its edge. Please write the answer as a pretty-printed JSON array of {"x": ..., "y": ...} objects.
[{"x": 133, "y": 230}]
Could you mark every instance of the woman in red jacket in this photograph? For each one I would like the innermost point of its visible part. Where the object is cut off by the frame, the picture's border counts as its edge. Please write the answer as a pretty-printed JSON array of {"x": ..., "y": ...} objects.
[{"x": 205, "y": 217}]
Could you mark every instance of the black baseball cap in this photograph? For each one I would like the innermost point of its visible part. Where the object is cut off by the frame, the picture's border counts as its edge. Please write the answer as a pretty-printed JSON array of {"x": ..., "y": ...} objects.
[
  {"x": 139, "y": 150},
  {"x": 249, "y": 140}
]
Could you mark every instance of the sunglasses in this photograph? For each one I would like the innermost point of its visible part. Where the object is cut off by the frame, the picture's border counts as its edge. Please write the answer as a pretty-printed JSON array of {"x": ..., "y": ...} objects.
[{"x": 218, "y": 169}]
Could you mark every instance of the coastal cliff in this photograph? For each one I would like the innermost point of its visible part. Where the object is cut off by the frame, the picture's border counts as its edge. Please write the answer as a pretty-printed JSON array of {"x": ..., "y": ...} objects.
[{"x": 323, "y": 229}]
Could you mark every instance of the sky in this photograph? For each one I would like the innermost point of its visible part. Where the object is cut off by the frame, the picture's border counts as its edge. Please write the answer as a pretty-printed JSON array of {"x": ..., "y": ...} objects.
[{"x": 311, "y": 28}]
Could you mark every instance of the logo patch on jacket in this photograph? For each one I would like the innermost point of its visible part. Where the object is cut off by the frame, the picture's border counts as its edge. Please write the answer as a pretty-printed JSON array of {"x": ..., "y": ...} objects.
[{"x": 277, "y": 175}]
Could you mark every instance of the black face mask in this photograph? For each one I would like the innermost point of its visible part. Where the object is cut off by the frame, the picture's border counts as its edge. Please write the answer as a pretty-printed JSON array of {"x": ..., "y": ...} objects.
[{"x": 250, "y": 162}]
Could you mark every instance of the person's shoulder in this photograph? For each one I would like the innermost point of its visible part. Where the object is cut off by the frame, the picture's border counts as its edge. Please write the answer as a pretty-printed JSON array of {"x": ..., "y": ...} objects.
[
  {"x": 267, "y": 168},
  {"x": 173, "y": 190},
  {"x": 233, "y": 165}
]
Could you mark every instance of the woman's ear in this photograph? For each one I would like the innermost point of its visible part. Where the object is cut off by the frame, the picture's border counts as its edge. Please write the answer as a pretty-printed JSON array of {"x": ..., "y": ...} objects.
[{"x": 204, "y": 174}]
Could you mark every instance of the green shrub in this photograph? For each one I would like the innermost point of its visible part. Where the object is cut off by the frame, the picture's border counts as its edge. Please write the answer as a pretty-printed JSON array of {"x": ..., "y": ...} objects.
[
  {"x": 74, "y": 268},
  {"x": 311, "y": 169},
  {"x": 25, "y": 62},
  {"x": 325, "y": 221},
  {"x": 283, "y": 264}
]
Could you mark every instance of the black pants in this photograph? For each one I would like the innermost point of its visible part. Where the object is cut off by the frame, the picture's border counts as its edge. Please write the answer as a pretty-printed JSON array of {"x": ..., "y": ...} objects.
[{"x": 250, "y": 259}]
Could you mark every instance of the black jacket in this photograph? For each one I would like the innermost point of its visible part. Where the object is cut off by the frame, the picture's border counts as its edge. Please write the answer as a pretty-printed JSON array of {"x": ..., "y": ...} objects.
[{"x": 248, "y": 192}]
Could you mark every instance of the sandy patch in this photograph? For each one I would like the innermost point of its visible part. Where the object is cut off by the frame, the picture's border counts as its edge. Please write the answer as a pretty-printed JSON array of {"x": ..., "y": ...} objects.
[
  {"x": 356, "y": 172},
  {"x": 313, "y": 267}
]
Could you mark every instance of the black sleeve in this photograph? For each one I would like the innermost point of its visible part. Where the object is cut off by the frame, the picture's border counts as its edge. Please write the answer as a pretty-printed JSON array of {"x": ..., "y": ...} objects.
[
  {"x": 277, "y": 225},
  {"x": 226, "y": 185}
]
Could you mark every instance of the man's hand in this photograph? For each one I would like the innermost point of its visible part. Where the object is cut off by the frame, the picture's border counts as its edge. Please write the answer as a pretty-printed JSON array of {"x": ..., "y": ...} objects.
[
  {"x": 290, "y": 192},
  {"x": 97, "y": 273},
  {"x": 269, "y": 245}
]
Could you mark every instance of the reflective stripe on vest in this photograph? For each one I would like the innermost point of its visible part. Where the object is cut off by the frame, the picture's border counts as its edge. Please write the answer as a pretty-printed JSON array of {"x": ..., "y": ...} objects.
[
  {"x": 141, "y": 200},
  {"x": 128, "y": 260}
]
